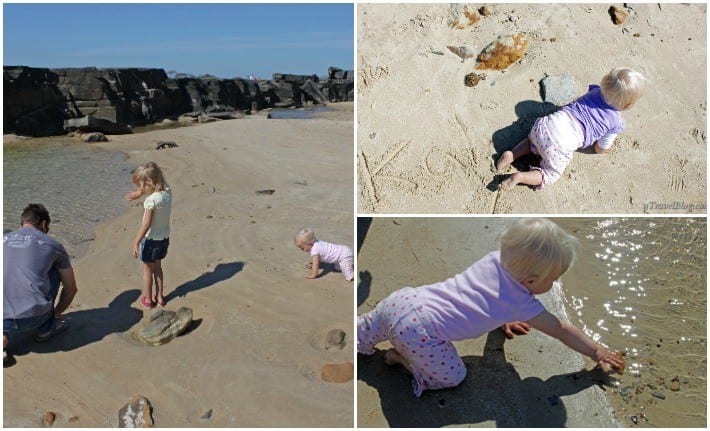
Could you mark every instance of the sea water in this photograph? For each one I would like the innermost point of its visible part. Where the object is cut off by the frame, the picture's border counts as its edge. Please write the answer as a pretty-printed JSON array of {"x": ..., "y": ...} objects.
[
  {"x": 640, "y": 287},
  {"x": 80, "y": 184}
]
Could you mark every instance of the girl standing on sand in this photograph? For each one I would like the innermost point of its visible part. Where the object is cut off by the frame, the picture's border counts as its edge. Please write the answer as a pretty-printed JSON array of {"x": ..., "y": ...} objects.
[
  {"x": 152, "y": 240},
  {"x": 422, "y": 322},
  {"x": 340, "y": 255},
  {"x": 592, "y": 120}
]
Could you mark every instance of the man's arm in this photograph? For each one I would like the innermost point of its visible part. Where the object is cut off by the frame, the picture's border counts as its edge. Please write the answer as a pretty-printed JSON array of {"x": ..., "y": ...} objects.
[{"x": 69, "y": 289}]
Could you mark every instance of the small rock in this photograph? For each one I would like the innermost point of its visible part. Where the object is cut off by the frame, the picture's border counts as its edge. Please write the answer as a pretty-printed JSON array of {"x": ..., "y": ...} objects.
[
  {"x": 94, "y": 137},
  {"x": 618, "y": 15},
  {"x": 164, "y": 326},
  {"x": 335, "y": 339},
  {"x": 265, "y": 192},
  {"x": 472, "y": 79},
  {"x": 658, "y": 395},
  {"x": 464, "y": 18},
  {"x": 49, "y": 418},
  {"x": 136, "y": 414},
  {"x": 73, "y": 418},
  {"x": 675, "y": 384},
  {"x": 634, "y": 419},
  {"x": 337, "y": 373},
  {"x": 503, "y": 52},
  {"x": 165, "y": 144},
  {"x": 558, "y": 89},
  {"x": 463, "y": 52},
  {"x": 485, "y": 10},
  {"x": 372, "y": 135},
  {"x": 207, "y": 415},
  {"x": 513, "y": 18},
  {"x": 553, "y": 39},
  {"x": 637, "y": 34}
]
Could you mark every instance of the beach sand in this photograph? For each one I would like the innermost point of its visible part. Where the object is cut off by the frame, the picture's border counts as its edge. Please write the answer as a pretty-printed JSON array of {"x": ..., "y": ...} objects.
[
  {"x": 427, "y": 143},
  {"x": 254, "y": 353}
]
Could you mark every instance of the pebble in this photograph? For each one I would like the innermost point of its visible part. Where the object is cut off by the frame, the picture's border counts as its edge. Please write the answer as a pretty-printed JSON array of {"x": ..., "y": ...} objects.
[
  {"x": 675, "y": 384},
  {"x": 658, "y": 395},
  {"x": 485, "y": 10},
  {"x": 472, "y": 79},
  {"x": 634, "y": 419},
  {"x": 618, "y": 15},
  {"x": 49, "y": 418},
  {"x": 513, "y": 18},
  {"x": 207, "y": 415}
]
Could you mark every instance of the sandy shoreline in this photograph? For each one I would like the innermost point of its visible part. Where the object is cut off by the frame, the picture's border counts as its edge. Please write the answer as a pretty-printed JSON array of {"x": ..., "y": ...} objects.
[
  {"x": 426, "y": 142},
  {"x": 256, "y": 350}
]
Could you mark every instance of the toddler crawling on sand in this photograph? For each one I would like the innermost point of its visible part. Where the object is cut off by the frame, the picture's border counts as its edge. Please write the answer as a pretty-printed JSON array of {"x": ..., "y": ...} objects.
[
  {"x": 497, "y": 291},
  {"x": 340, "y": 255},
  {"x": 592, "y": 120}
]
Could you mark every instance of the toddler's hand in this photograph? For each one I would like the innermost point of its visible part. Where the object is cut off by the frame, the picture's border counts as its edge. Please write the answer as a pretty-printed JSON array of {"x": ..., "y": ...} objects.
[
  {"x": 311, "y": 277},
  {"x": 609, "y": 360},
  {"x": 515, "y": 328}
]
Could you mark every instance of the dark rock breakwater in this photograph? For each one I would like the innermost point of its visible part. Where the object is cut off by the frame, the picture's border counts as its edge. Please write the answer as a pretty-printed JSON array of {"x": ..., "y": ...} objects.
[{"x": 40, "y": 101}]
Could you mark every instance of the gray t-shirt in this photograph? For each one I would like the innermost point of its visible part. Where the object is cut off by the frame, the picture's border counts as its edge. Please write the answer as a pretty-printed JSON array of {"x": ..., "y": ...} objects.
[{"x": 28, "y": 256}]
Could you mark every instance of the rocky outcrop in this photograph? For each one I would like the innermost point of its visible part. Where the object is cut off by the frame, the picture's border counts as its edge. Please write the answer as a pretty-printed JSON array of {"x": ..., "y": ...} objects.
[{"x": 40, "y": 101}]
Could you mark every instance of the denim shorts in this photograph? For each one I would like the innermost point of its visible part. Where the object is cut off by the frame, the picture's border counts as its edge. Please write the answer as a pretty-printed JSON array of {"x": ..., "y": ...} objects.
[{"x": 153, "y": 249}]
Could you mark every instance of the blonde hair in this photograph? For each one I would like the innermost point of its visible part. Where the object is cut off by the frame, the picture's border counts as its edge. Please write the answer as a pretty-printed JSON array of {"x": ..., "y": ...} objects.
[
  {"x": 304, "y": 236},
  {"x": 537, "y": 247},
  {"x": 150, "y": 171},
  {"x": 622, "y": 87}
]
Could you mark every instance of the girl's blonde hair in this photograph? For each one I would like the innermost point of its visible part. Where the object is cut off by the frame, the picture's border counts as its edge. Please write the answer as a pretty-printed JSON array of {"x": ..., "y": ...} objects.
[
  {"x": 305, "y": 236},
  {"x": 149, "y": 171},
  {"x": 537, "y": 247},
  {"x": 622, "y": 86}
]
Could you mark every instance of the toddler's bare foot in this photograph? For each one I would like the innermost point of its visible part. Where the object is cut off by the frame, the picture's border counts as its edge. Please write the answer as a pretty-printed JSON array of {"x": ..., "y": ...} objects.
[
  {"x": 505, "y": 160},
  {"x": 509, "y": 182},
  {"x": 392, "y": 357}
]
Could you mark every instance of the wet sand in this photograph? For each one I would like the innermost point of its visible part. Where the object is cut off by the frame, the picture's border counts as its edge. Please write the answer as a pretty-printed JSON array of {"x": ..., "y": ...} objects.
[
  {"x": 255, "y": 351},
  {"x": 427, "y": 142}
]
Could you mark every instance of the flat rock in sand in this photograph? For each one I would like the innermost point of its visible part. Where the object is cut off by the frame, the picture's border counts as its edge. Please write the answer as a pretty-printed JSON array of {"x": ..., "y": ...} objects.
[
  {"x": 164, "y": 325},
  {"x": 558, "y": 89},
  {"x": 337, "y": 373}
]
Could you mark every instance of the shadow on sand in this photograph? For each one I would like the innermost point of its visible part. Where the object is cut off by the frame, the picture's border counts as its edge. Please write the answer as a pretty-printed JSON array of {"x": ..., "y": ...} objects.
[
  {"x": 492, "y": 391},
  {"x": 221, "y": 272}
]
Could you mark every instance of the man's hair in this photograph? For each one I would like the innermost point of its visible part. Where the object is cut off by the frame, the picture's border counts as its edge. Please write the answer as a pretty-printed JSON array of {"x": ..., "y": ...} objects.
[{"x": 35, "y": 214}]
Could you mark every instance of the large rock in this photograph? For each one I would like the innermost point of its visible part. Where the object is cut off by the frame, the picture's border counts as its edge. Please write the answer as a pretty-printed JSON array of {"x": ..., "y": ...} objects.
[
  {"x": 164, "y": 326},
  {"x": 503, "y": 52},
  {"x": 313, "y": 92},
  {"x": 136, "y": 414},
  {"x": 558, "y": 89},
  {"x": 90, "y": 123}
]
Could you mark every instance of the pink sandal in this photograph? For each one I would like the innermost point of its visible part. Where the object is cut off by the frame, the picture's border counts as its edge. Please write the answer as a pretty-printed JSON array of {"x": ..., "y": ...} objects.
[{"x": 146, "y": 303}]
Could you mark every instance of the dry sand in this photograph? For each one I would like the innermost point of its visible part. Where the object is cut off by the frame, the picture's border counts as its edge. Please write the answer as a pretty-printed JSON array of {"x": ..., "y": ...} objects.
[
  {"x": 428, "y": 141},
  {"x": 257, "y": 346}
]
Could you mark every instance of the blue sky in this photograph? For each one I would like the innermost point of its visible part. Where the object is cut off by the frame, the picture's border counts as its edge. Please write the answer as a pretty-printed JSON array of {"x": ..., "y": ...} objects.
[{"x": 225, "y": 40}]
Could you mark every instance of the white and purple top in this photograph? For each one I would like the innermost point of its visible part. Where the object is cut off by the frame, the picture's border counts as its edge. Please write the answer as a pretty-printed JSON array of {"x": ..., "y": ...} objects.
[
  {"x": 598, "y": 118},
  {"x": 476, "y": 301},
  {"x": 329, "y": 252}
]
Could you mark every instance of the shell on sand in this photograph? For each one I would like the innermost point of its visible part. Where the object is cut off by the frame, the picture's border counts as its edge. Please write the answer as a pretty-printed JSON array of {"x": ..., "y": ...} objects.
[
  {"x": 462, "y": 51},
  {"x": 503, "y": 52}
]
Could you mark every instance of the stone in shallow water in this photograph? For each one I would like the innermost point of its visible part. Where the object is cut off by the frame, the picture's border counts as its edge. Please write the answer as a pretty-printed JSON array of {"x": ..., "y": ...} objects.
[
  {"x": 135, "y": 414},
  {"x": 164, "y": 325},
  {"x": 337, "y": 373},
  {"x": 503, "y": 52}
]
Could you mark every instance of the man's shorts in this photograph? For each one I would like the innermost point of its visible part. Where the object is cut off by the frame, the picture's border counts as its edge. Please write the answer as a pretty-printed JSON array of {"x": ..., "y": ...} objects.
[{"x": 151, "y": 249}]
